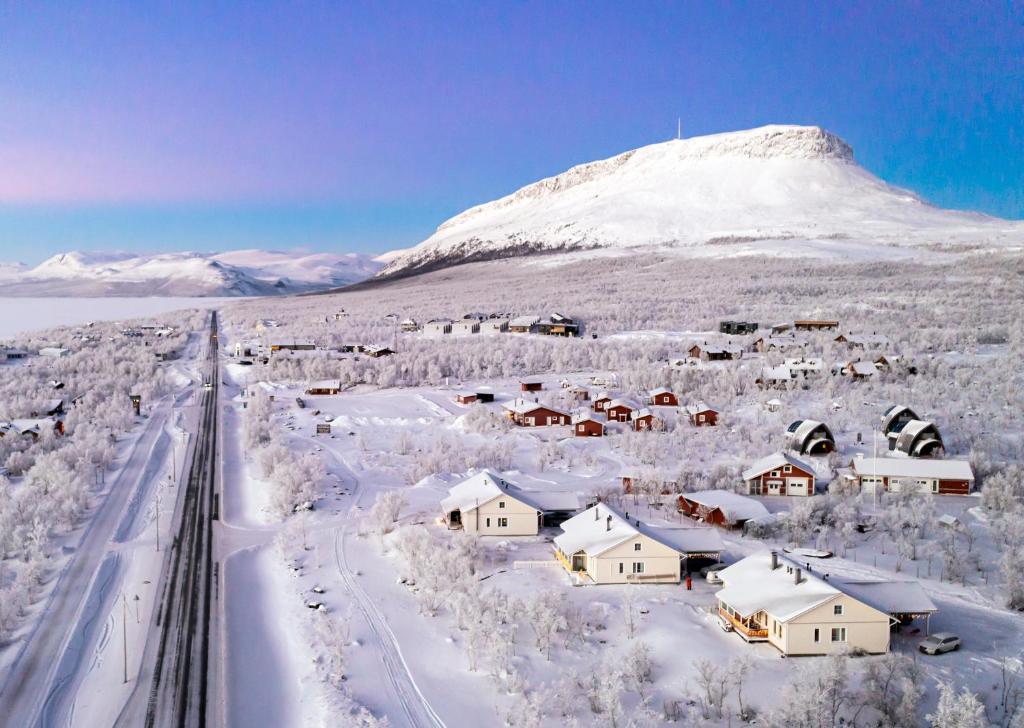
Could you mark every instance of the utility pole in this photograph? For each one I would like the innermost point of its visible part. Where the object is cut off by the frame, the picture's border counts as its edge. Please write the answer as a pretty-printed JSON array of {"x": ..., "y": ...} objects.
[
  {"x": 124, "y": 632},
  {"x": 158, "y": 498}
]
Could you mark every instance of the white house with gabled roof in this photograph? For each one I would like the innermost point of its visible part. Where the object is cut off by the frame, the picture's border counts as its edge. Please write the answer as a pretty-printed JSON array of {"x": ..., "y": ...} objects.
[
  {"x": 602, "y": 545},
  {"x": 488, "y": 505},
  {"x": 768, "y": 598}
]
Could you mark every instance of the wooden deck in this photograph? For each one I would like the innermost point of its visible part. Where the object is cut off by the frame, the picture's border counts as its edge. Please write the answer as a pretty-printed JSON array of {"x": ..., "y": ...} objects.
[{"x": 750, "y": 634}]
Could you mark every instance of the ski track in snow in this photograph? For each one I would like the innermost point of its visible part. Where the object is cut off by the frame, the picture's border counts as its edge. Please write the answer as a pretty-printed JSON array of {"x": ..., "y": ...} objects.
[{"x": 415, "y": 705}]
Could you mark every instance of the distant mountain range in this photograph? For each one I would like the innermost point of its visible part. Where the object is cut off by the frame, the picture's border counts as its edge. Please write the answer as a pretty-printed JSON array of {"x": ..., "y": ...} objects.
[
  {"x": 235, "y": 273},
  {"x": 775, "y": 190}
]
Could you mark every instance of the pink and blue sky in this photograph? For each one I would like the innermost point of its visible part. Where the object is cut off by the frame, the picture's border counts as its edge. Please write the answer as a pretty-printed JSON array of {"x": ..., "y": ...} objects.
[{"x": 362, "y": 126}]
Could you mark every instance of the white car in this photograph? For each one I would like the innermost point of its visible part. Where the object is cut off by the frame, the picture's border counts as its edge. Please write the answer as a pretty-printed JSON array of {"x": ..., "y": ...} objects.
[{"x": 938, "y": 643}]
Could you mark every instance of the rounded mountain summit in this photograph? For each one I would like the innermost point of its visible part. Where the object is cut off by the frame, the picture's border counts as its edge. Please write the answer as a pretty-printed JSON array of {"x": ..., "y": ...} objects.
[{"x": 775, "y": 190}]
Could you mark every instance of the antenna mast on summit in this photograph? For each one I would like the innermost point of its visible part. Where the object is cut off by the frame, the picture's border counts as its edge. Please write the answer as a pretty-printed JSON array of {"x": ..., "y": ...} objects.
[{"x": 679, "y": 127}]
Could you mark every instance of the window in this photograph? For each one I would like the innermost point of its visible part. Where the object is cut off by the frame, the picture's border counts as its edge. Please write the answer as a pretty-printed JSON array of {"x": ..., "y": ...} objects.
[
  {"x": 638, "y": 567},
  {"x": 488, "y": 522},
  {"x": 787, "y": 468},
  {"x": 773, "y": 474},
  {"x": 502, "y": 523},
  {"x": 837, "y": 610},
  {"x": 636, "y": 546},
  {"x": 839, "y": 634},
  {"x": 580, "y": 428},
  {"x": 501, "y": 504},
  {"x": 817, "y": 635},
  {"x": 622, "y": 567},
  {"x": 700, "y": 418}
]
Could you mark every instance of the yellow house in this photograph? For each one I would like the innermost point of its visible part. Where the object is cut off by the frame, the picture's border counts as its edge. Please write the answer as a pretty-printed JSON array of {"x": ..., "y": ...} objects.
[
  {"x": 488, "y": 505},
  {"x": 767, "y": 598},
  {"x": 603, "y": 546}
]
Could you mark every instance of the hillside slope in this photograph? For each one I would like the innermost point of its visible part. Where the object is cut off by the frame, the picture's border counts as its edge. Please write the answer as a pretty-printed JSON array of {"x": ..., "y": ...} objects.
[{"x": 780, "y": 185}]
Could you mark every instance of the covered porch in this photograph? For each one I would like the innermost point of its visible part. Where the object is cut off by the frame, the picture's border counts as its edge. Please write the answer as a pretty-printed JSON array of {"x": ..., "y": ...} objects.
[{"x": 749, "y": 628}]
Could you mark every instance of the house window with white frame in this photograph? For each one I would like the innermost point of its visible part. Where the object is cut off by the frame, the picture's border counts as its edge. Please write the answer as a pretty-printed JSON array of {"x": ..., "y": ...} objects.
[
  {"x": 501, "y": 504},
  {"x": 837, "y": 610},
  {"x": 622, "y": 567},
  {"x": 636, "y": 546},
  {"x": 839, "y": 634},
  {"x": 817, "y": 635},
  {"x": 773, "y": 474},
  {"x": 638, "y": 567},
  {"x": 502, "y": 523},
  {"x": 787, "y": 468}
]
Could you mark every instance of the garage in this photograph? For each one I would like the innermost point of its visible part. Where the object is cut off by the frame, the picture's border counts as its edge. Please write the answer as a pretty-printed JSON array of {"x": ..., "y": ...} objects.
[{"x": 797, "y": 486}]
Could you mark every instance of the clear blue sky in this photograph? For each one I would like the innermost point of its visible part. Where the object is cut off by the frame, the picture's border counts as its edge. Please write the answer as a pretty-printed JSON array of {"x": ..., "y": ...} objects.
[{"x": 361, "y": 126}]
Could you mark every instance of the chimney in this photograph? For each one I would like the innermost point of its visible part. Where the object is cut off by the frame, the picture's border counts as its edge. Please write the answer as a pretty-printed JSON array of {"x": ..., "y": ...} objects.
[
  {"x": 797, "y": 573},
  {"x": 608, "y": 524},
  {"x": 775, "y": 560},
  {"x": 597, "y": 513}
]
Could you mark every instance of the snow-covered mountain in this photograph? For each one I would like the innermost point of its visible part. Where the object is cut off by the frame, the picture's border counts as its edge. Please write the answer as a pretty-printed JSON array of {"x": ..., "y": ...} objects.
[
  {"x": 783, "y": 190},
  {"x": 236, "y": 273}
]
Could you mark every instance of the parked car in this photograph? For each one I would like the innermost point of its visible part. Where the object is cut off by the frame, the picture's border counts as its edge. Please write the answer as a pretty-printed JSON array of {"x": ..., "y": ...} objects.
[
  {"x": 710, "y": 573},
  {"x": 938, "y": 643},
  {"x": 725, "y": 624}
]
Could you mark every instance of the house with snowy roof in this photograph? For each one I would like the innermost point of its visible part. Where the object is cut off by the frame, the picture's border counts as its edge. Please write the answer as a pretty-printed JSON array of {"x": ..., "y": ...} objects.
[
  {"x": 721, "y": 508},
  {"x": 768, "y": 598},
  {"x": 620, "y": 409},
  {"x": 702, "y": 415},
  {"x": 941, "y": 477},
  {"x": 643, "y": 420},
  {"x": 494, "y": 326},
  {"x": 663, "y": 397},
  {"x": 774, "y": 377},
  {"x": 810, "y": 437},
  {"x": 585, "y": 424},
  {"x": 779, "y": 474},
  {"x": 533, "y": 414},
  {"x": 488, "y": 505},
  {"x": 602, "y": 545},
  {"x": 524, "y": 324},
  {"x": 916, "y": 439},
  {"x": 438, "y": 327}
]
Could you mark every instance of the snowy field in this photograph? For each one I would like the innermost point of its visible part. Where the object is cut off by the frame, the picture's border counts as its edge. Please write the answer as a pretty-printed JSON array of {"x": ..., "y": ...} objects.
[
  {"x": 388, "y": 605},
  {"x": 22, "y": 315}
]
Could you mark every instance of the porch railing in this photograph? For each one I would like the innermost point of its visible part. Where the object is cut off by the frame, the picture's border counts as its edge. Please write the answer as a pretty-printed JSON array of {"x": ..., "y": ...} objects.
[{"x": 752, "y": 632}]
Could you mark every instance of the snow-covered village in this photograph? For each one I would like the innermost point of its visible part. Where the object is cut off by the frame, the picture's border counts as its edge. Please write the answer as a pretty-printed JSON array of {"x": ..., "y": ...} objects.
[{"x": 720, "y": 430}]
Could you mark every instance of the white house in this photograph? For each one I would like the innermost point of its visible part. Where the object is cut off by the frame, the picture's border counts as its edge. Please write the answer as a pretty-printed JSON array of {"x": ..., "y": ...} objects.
[
  {"x": 488, "y": 505},
  {"x": 55, "y": 352},
  {"x": 603, "y": 546},
  {"x": 466, "y": 326},
  {"x": 767, "y": 598},
  {"x": 438, "y": 327}
]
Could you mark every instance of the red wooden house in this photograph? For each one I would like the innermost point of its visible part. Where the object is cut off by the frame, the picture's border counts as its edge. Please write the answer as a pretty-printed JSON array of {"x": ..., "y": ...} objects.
[
  {"x": 620, "y": 410},
  {"x": 664, "y": 397},
  {"x": 530, "y": 385},
  {"x": 466, "y": 398},
  {"x": 601, "y": 401},
  {"x": 586, "y": 426},
  {"x": 643, "y": 420},
  {"x": 701, "y": 415},
  {"x": 534, "y": 414}
]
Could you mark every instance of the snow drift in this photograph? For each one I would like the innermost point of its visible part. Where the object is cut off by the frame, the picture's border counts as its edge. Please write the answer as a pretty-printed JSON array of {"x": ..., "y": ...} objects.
[{"x": 778, "y": 185}]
